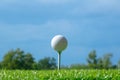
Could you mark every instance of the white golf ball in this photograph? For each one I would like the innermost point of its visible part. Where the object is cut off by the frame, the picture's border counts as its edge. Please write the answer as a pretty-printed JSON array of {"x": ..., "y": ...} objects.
[{"x": 59, "y": 43}]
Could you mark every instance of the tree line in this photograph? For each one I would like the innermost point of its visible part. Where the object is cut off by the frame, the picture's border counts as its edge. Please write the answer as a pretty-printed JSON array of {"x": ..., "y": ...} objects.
[
  {"x": 95, "y": 62},
  {"x": 18, "y": 59}
]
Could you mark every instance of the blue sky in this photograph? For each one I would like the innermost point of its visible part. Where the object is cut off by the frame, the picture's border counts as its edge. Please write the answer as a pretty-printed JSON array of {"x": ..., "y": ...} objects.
[{"x": 87, "y": 24}]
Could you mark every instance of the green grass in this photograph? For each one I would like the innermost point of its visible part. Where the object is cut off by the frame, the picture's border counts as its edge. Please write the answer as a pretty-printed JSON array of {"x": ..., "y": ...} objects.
[{"x": 60, "y": 75}]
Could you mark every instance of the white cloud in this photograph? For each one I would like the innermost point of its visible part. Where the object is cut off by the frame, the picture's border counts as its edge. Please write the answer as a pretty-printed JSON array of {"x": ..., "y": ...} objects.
[
  {"x": 97, "y": 7},
  {"x": 54, "y": 1},
  {"x": 22, "y": 32},
  {"x": 72, "y": 7},
  {"x": 16, "y": 32},
  {"x": 8, "y": 1},
  {"x": 42, "y": 2},
  {"x": 60, "y": 25}
]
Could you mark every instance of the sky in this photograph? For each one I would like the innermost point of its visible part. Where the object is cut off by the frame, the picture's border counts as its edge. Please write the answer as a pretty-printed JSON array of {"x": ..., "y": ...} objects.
[{"x": 87, "y": 24}]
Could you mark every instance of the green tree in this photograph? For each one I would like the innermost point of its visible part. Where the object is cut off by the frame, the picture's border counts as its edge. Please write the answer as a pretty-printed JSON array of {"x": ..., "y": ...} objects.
[
  {"x": 17, "y": 59},
  {"x": 92, "y": 59},
  {"x": 35, "y": 66},
  {"x": 107, "y": 61},
  {"x": 119, "y": 64},
  {"x": 100, "y": 63},
  {"x": 28, "y": 61},
  {"x": 47, "y": 63},
  {"x": 13, "y": 59},
  {"x": 0, "y": 65}
]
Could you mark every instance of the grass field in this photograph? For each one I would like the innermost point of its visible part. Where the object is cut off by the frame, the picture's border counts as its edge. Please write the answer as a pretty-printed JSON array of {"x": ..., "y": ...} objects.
[{"x": 60, "y": 75}]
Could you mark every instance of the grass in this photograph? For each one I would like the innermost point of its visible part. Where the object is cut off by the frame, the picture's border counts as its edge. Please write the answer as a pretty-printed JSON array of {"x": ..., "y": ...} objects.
[{"x": 60, "y": 75}]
